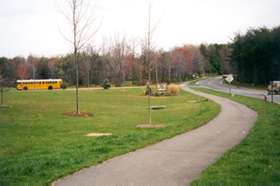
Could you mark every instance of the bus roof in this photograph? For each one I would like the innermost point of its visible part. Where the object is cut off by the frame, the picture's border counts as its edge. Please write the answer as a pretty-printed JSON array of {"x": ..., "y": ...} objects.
[{"x": 38, "y": 80}]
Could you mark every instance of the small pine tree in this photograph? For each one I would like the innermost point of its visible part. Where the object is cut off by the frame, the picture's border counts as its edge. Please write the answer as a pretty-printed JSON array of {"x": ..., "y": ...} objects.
[{"x": 106, "y": 84}]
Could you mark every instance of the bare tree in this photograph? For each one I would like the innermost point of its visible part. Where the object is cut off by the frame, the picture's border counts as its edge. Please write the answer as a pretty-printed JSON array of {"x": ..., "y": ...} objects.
[
  {"x": 33, "y": 61},
  {"x": 119, "y": 53},
  {"x": 150, "y": 32},
  {"x": 166, "y": 58},
  {"x": 1, "y": 90},
  {"x": 82, "y": 32},
  {"x": 198, "y": 66},
  {"x": 149, "y": 64}
]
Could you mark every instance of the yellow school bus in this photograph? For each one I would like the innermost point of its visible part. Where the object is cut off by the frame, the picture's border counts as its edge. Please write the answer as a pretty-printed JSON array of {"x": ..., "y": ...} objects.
[{"x": 38, "y": 84}]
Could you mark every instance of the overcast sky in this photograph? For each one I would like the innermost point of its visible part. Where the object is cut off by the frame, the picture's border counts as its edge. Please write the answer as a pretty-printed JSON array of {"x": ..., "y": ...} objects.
[{"x": 33, "y": 26}]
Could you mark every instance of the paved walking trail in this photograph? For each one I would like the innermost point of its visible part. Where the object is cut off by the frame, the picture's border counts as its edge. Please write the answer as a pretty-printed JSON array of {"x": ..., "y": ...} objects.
[{"x": 176, "y": 161}]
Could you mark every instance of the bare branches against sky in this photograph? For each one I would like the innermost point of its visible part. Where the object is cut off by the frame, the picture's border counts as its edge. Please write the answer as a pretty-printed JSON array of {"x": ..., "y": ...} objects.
[{"x": 31, "y": 26}]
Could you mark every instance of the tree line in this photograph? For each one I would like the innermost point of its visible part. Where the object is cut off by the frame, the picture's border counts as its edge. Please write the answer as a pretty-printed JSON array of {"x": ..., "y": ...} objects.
[
  {"x": 253, "y": 57},
  {"x": 120, "y": 64},
  {"x": 256, "y": 56}
]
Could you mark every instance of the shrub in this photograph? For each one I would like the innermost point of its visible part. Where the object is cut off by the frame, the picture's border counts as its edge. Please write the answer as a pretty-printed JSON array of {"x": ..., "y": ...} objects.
[
  {"x": 173, "y": 89},
  {"x": 106, "y": 84},
  {"x": 64, "y": 85},
  {"x": 159, "y": 94},
  {"x": 147, "y": 91},
  {"x": 128, "y": 83},
  {"x": 138, "y": 83}
]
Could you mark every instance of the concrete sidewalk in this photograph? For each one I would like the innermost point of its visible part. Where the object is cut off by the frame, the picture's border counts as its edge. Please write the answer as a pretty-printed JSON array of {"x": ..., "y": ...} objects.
[{"x": 176, "y": 161}]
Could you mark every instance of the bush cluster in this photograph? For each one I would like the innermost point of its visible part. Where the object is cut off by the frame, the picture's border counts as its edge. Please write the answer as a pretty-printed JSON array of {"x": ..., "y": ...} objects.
[
  {"x": 173, "y": 89},
  {"x": 106, "y": 84}
]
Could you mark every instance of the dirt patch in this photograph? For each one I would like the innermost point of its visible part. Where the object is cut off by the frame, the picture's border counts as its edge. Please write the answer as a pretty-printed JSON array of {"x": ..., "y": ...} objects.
[
  {"x": 150, "y": 126},
  {"x": 158, "y": 107},
  {"x": 197, "y": 101},
  {"x": 95, "y": 134},
  {"x": 192, "y": 101},
  {"x": 81, "y": 114},
  {"x": 5, "y": 106}
]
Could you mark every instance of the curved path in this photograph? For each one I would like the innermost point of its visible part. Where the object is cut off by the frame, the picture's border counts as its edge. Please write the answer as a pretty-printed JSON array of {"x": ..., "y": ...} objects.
[{"x": 176, "y": 161}]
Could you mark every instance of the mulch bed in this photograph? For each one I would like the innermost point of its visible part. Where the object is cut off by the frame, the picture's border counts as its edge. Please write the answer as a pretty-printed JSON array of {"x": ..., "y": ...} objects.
[
  {"x": 5, "y": 106},
  {"x": 158, "y": 107},
  {"x": 150, "y": 126},
  {"x": 96, "y": 134},
  {"x": 81, "y": 114}
]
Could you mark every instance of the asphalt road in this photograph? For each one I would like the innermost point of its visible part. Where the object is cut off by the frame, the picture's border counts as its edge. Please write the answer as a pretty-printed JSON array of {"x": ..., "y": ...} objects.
[
  {"x": 217, "y": 84},
  {"x": 176, "y": 161}
]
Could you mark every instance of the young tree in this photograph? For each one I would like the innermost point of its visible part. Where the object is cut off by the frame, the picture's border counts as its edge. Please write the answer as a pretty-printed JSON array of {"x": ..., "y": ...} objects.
[
  {"x": 81, "y": 21},
  {"x": 3, "y": 84},
  {"x": 149, "y": 64},
  {"x": 2, "y": 90}
]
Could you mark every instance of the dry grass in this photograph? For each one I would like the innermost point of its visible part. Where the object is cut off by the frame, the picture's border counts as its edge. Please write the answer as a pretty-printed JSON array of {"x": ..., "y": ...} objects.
[
  {"x": 173, "y": 89},
  {"x": 95, "y": 134},
  {"x": 81, "y": 114}
]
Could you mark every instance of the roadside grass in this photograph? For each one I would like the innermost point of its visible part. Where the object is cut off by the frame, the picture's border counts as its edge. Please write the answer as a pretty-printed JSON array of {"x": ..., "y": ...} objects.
[
  {"x": 246, "y": 85},
  {"x": 38, "y": 144},
  {"x": 194, "y": 81},
  {"x": 256, "y": 160}
]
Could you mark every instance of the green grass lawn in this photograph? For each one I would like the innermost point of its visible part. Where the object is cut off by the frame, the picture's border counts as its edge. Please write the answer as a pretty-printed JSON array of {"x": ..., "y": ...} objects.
[
  {"x": 39, "y": 144},
  {"x": 256, "y": 161}
]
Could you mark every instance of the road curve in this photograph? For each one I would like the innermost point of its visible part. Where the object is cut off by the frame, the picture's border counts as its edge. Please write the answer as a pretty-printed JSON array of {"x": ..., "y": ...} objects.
[
  {"x": 217, "y": 84},
  {"x": 176, "y": 161}
]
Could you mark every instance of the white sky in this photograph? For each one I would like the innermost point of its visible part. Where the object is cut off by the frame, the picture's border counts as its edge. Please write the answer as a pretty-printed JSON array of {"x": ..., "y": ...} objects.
[{"x": 32, "y": 26}]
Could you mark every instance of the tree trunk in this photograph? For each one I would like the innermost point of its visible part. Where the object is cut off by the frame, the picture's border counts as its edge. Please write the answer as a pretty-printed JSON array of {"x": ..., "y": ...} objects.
[
  {"x": 76, "y": 54},
  {"x": 33, "y": 71},
  {"x": 77, "y": 81},
  {"x": 88, "y": 75},
  {"x": 169, "y": 73},
  {"x": 157, "y": 73},
  {"x": 2, "y": 96},
  {"x": 149, "y": 66}
]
